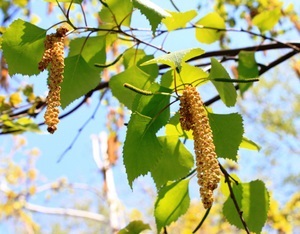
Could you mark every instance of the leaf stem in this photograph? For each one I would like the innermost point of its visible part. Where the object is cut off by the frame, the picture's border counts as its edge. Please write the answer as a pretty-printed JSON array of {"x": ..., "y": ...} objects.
[{"x": 202, "y": 220}]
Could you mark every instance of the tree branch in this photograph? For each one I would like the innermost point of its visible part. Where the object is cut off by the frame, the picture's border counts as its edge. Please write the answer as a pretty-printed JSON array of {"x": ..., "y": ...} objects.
[{"x": 65, "y": 212}]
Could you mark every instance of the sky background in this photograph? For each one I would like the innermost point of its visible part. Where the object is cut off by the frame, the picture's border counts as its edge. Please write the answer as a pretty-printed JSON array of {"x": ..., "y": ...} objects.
[{"x": 78, "y": 164}]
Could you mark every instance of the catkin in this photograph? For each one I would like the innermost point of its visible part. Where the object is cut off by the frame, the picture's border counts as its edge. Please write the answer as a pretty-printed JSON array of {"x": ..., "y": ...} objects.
[
  {"x": 193, "y": 117},
  {"x": 53, "y": 58}
]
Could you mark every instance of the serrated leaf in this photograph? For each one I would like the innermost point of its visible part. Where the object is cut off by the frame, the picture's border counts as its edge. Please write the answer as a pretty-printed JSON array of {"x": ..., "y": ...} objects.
[
  {"x": 135, "y": 227},
  {"x": 207, "y": 28},
  {"x": 172, "y": 202},
  {"x": 155, "y": 106},
  {"x": 226, "y": 90},
  {"x": 173, "y": 128},
  {"x": 79, "y": 79},
  {"x": 141, "y": 151},
  {"x": 247, "y": 68},
  {"x": 175, "y": 163},
  {"x": 266, "y": 20},
  {"x": 248, "y": 144},
  {"x": 23, "y": 46},
  {"x": 134, "y": 76},
  {"x": 92, "y": 50},
  {"x": 153, "y": 12},
  {"x": 117, "y": 13},
  {"x": 178, "y": 19},
  {"x": 253, "y": 200},
  {"x": 175, "y": 59},
  {"x": 227, "y": 133}
]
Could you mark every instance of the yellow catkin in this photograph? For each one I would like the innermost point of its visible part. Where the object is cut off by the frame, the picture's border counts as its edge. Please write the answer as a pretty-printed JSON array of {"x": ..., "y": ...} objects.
[
  {"x": 54, "y": 58},
  {"x": 193, "y": 117}
]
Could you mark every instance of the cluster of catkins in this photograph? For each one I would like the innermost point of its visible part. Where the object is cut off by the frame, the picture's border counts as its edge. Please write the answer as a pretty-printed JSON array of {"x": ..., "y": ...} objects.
[
  {"x": 193, "y": 117},
  {"x": 54, "y": 58}
]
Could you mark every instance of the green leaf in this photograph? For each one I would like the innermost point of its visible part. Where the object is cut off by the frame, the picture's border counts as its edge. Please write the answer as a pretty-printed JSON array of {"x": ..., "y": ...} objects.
[
  {"x": 142, "y": 150},
  {"x": 23, "y": 46},
  {"x": 173, "y": 128},
  {"x": 134, "y": 76},
  {"x": 267, "y": 19},
  {"x": 117, "y": 13},
  {"x": 247, "y": 68},
  {"x": 152, "y": 12},
  {"x": 172, "y": 202},
  {"x": 176, "y": 59},
  {"x": 179, "y": 19},
  {"x": 135, "y": 227},
  {"x": 226, "y": 90},
  {"x": 79, "y": 79},
  {"x": 92, "y": 50},
  {"x": 155, "y": 106},
  {"x": 18, "y": 126},
  {"x": 207, "y": 28},
  {"x": 253, "y": 200},
  {"x": 227, "y": 133},
  {"x": 175, "y": 163},
  {"x": 248, "y": 144}
]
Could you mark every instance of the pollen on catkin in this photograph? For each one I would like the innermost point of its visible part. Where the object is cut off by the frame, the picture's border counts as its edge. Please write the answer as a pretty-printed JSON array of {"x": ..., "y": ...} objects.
[
  {"x": 53, "y": 59},
  {"x": 193, "y": 117}
]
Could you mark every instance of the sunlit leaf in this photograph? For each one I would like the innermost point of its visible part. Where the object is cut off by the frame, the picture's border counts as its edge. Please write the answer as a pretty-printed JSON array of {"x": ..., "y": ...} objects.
[
  {"x": 226, "y": 90},
  {"x": 172, "y": 202},
  {"x": 248, "y": 144},
  {"x": 179, "y": 19},
  {"x": 227, "y": 133},
  {"x": 207, "y": 30},
  {"x": 175, "y": 163},
  {"x": 266, "y": 20},
  {"x": 135, "y": 227},
  {"x": 73, "y": 1},
  {"x": 253, "y": 200},
  {"x": 153, "y": 12},
  {"x": 23, "y": 46},
  {"x": 173, "y": 128},
  {"x": 142, "y": 150}
]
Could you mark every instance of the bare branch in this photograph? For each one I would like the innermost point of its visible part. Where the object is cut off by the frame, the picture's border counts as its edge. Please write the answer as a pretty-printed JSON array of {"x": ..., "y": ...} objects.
[{"x": 65, "y": 212}]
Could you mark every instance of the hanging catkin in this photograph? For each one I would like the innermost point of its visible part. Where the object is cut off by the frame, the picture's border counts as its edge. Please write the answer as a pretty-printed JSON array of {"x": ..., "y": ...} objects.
[
  {"x": 193, "y": 117},
  {"x": 54, "y": 58}
]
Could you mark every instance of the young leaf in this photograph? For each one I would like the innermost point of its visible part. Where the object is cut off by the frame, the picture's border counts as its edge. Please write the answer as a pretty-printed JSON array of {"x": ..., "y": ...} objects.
[
  {"x": 179, "y": 19},
  {"x": 248, "y": 144},
  {"x": 253, "y": 200},
  {"x": 173, "y": 128},
  {"x": 227, "y": 133},
  {"x": 142, "y": 150},
  {"x": 226, "y": 90},
  {"x": 134, "y": 76},
  {"x": 176, "y": 59},
  {"x": 172, "y": 202},
  {"x": 247, "y": 68},
  {"x": 23, "y": 46},
  {"x": 117, "y": 13},
  {"x": 152, "y": 12},
  {"x": 73, "y": 1},
  {"x": 79, "y": 79},
  {"x": 207, "y": 28},
  {"x": 92, "y": 50},
  {"x": 136, "y": 227},
  {"x": 175, "y": 163},
  {"x": 266, "y": 20}
]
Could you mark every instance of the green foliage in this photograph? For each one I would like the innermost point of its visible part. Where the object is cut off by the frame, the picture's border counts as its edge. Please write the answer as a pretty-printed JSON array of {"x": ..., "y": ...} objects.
[
  {"x": 136, "y": 227},
  {"x": 153, "y": 12},
  {"x": 227, "y": 133},
  {"x": 208, "y": 28},
  {"x": 23, "y": 45},
  {"x": 226, "y": 90},
  {"x": 173, "y": 201},
  {"x": 179, "y": 19},
  {"x": 266, "y": 20},
  {"x": 253, "y": 200}
]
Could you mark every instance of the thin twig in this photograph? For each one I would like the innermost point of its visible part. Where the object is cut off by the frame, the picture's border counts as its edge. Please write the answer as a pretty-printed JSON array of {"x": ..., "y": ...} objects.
[{"x": 202, "y": 220}]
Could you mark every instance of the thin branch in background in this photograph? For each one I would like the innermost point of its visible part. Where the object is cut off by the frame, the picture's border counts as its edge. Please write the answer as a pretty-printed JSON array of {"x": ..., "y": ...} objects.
[
  {"x": 65, "y": 212},
  {"x": 234, "y": 200},
  {"x": 202, "y": 220},
  {"x": 81, "y": 128},
  {"x": 174, "y": 5}
]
